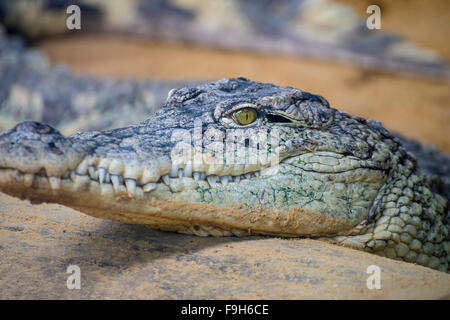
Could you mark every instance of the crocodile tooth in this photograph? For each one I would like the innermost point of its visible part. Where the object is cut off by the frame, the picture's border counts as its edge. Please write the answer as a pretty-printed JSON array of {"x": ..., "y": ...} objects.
[
  {"x": 131, "y": 185},
  {"x": 248, "y": 175},
  {"x": 188, "y": 170},
  {"x": 101, "y": 174},
  {"x": 116, "y": 167},
  {"x": 149, "y": 187},
  {"x": 104, "y": 163},
  {"x": 82, "y": 167},
  {"x": 257, "y": 173},
  {"x": 55, "y": 182},
  {"x": 92, "y": 173},
  {"x": 212, "y": 180},
  {"x": 180, "y": 173},
  {"x": 202, "y": 175},
  {"x": 73, "y": 176},
  {"x": 132, "y": 171},
  {"x": 115, "y": 180},
  {"x": 108, "y": 178},
  {"x": 166, "y": 179},
  {"x": 225, "y": 179},
  {"x": 173, "y": 173},
  {"x": 237, "y": 178},
  {"x": 197, "y": 175},
  {"x": 28, "y": 179},
  {"x": 150, "y": 174}
]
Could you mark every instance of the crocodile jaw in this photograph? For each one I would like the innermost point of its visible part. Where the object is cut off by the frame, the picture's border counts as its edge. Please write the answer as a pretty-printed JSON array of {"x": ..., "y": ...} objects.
[{"x": 294, "y": 202}]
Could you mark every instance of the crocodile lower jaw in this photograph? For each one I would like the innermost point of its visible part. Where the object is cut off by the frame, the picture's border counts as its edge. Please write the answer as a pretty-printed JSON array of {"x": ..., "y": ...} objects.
[
  {"x": 171, "y": 215},
  {"x": 117, "y": 183}
]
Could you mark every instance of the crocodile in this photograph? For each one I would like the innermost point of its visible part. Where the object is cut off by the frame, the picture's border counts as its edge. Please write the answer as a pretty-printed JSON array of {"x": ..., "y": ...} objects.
[
  {"x": 238, "y": 157},
  {"x": 96, "y": 104},
  {"x": 319, "y": 29}
]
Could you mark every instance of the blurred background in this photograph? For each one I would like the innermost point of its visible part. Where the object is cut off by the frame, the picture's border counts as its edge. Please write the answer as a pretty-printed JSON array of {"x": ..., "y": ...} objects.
[{"x": 397, "y": 74}]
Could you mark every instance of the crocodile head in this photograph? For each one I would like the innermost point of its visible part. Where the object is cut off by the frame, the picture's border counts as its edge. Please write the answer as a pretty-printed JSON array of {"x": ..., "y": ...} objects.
[{"x": 229, "y": 157}]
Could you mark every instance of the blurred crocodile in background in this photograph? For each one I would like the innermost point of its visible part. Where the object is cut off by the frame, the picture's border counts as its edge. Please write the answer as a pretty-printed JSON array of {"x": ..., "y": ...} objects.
[
  {"x": 27, "y": 92},
  {"x": 319, "y": 29}
]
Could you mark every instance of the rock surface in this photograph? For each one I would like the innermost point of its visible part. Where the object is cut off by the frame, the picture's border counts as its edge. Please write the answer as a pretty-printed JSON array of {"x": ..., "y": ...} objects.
[{"x": 121, "y": 261}]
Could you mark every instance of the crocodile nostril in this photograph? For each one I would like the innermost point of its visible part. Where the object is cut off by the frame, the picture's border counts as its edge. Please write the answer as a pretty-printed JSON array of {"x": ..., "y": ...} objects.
[
  {"x": 32, "y": 127},
  {"x": 40, "y": 128},
  {"x": 54, "y": 148}
]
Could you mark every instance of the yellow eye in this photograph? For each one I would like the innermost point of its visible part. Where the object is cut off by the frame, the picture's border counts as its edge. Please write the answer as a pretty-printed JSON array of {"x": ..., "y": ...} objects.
[{"x": 245, "y": 116}]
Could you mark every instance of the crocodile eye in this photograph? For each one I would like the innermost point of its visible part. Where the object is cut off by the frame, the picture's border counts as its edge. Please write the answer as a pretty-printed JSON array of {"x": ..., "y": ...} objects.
[{"x": 244, "y": 116}]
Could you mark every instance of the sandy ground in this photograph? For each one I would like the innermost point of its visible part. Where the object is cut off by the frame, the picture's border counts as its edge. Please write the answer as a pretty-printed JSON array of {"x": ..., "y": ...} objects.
[{"x": 122, "y": 261}]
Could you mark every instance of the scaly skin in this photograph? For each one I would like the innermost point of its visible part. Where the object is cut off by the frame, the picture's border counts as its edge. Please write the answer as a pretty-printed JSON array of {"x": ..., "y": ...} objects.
[
  {"x": 328, "y": 174},
  {"x": 279, "y": 26},
  {"x": 81, "y": 102}
]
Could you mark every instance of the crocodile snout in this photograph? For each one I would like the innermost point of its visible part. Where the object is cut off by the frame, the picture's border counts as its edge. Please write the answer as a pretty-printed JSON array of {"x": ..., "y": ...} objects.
[{"x": 32, "y": 146}]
